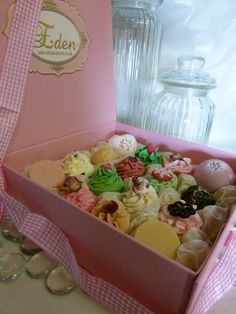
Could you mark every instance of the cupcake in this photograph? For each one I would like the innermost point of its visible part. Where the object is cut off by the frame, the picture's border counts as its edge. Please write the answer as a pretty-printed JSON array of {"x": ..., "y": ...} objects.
[
  {"x": 77, "y": 163},
  {"x": 78, "y": 194},
  {"x": 148, "y": 155},
  {"x": 104, "y": 154},
  {"x": 105, "y": 179},
  {"x": 112, "y": 212},
  {"x": 130, "y": 167},
  {"x": 178, "y": 164},
  {"x": 161, "y": 178},
  {"x": 181, "y": 216}
]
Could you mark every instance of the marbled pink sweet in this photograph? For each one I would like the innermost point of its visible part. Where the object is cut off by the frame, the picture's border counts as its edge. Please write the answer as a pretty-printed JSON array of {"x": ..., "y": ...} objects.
[
  {"x": 83, "y": 198},
  {"x": 212, "y": 174},
  {"x": 179, "y": 166},
  {"x": 180, "y": 225}
]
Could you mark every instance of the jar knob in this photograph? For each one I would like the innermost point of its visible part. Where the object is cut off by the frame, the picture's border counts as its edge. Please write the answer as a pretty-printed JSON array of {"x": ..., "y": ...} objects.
[{"x": 190, "y": 63}]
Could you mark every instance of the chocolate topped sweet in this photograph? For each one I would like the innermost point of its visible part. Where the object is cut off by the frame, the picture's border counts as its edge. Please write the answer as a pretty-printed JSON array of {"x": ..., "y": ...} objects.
[
  {"x": 130, "y": 167},
  {"x": 182, "y": 209},
  {"x": 195, "y": 194}
]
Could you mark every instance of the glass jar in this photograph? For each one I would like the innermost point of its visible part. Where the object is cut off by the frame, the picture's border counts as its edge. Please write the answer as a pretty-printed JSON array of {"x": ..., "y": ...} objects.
[
  {"x": 137, "y": 32},
  {"x": 183, "y": 109}
]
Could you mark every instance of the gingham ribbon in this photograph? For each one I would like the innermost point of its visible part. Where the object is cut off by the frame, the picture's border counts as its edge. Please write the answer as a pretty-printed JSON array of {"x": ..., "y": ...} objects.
[{"x": 38, "y": 228}]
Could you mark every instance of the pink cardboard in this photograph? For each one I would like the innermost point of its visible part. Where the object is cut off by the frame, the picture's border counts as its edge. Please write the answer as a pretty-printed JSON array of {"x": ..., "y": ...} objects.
[{"x": 72, "y": 112}]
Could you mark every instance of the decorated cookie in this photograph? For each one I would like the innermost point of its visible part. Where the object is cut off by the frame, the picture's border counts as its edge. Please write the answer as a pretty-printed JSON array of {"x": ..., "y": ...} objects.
[
  {"x": 212, "y": 174},
  {"x": 47, "y": 173}
]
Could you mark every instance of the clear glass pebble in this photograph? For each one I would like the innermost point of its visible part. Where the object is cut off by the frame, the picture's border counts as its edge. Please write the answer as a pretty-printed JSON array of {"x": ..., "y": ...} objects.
[
  {"x": 60, "y": 281},
  {"x": 40, "y": 265},
  {"x": 10, "y": 231},
  {"x": 12, "y": 265},
  {"x": 28, "y": 247}
]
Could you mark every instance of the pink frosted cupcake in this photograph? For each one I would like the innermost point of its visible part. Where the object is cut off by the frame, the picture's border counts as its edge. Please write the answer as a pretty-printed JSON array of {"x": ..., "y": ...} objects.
[
  {"x": 78, "y": 194},
  {"x": 181, "y": 216},
  {"x": 178, "y": 164}
]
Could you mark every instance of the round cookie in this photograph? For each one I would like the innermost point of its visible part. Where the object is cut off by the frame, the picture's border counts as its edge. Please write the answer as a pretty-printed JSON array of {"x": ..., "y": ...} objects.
[
  {"x": 159, "y": 236},
  {"x": 47, "y": 173},
  {"x": 212, "y": 174}
]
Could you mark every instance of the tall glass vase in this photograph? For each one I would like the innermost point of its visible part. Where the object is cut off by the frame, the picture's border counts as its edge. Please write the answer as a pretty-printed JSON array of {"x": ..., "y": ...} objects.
[{"x": 137, "y": 34}]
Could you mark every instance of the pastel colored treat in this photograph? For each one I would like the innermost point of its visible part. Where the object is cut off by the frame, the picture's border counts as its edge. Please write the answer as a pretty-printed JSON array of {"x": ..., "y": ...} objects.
[
  {"x": 83, "y": 197},
  {"x": 178, "y": 164},
  {"x": 125, "y": 144},
  {"x": 195, "y": 194},
  {"x": 161, "y": 178},
  {"x": 179, "y": 224},
  {"x": 103, "y": 155},
  {"x": 47, "y": 173},
  {"x": 159, "y": 236},
  {"x": 71, "y": 184},
  {"x": 105, "y": 179},
  {"x": 114, "y": 213},
  {"x": 193, "y": 253},
  {"x": 225, "y": 196},
  {"x": 141, "y": 195},
  {"x": 168, "y": 196},
  {"x": 212, "y": 174},
  {"x": 141, "y": 216},
  {"x": 195, "y": 233},
  {"x": 185, "y": 180},
  {"x": 214, "y": 217},
  {"x": 149, "y": 155},
  {"x": 77, "y": 163},
  {"x": 130, "y": 167}
]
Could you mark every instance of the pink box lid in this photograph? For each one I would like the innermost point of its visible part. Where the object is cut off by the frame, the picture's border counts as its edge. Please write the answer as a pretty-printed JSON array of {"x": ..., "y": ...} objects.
[{"x": 54, "y": 106}]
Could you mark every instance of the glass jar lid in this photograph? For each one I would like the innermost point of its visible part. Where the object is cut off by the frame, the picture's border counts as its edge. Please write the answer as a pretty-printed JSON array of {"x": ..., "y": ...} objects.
[
  {"x": 189, "y": 74},
  {"x": 136, "y": 3}
]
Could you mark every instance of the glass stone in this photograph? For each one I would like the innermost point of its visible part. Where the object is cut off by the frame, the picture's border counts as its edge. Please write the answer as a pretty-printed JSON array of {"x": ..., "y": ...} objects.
[
  {"x": 12, "y": 265},
  {"x": 40, "y": 265},
  {"x": 28, "y": 247},
  {"x": 60, "y": 281},
  {"x": 10, "y": 231}
]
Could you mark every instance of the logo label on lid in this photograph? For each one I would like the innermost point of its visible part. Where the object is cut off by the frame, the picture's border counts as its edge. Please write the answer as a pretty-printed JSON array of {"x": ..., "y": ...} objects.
[{"x": 61, "y": 41}]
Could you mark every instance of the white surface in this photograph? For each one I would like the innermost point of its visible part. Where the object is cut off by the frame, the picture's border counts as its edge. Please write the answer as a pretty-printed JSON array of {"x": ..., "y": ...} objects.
[
  {"x": 207, "y": 29},
  {"x": 30, "y": 296}
]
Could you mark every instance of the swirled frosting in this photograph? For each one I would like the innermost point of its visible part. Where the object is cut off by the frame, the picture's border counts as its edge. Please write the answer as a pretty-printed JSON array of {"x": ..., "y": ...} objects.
[
  {"x": 105, "y": 179},
  {"x": 130, "y": 167},
  {"x": 77, "y": 163},
  {"x": 168, "y": 196},
  {"x": 114, "y": 213},
  {"x": 83, "y": 198},
  {"x": 160, "y": 179},
  {"x": 180, "y": 225},
  {"x": 178, "y": 164},
  {"x": 141, "y": 195}
]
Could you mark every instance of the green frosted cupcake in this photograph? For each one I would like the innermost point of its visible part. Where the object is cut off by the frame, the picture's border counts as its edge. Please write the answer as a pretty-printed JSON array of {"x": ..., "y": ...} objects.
[
  {"x": 160, "y": 179},
  {"x": 105, "y": 179}
]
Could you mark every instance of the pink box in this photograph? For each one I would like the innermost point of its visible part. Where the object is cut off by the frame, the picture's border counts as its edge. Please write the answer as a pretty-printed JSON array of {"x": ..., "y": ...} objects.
[{"x": 74, "y": 111}]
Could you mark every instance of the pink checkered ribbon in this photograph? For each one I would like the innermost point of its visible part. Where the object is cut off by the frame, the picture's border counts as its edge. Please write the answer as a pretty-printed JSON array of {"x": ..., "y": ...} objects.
[{"x": 38, "y": 228}]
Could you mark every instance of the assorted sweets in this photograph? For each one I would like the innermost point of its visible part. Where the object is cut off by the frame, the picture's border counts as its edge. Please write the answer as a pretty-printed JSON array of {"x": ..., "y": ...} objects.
[{"x": 159, "y": 198}]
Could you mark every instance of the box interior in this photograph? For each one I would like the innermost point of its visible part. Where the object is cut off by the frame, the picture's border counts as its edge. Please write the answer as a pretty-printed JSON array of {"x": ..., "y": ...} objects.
[{"x": 117, "y": 268}]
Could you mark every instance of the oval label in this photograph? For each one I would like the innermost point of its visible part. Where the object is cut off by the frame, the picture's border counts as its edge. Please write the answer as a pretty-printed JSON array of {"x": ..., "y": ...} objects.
[
  {"x": 58, "y": 39},
  {"x": 61, "y": 40}
]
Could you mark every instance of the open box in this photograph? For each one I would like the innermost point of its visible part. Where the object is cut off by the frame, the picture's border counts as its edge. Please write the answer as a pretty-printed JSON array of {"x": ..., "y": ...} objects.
[{"x": 74, "y": 111}]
